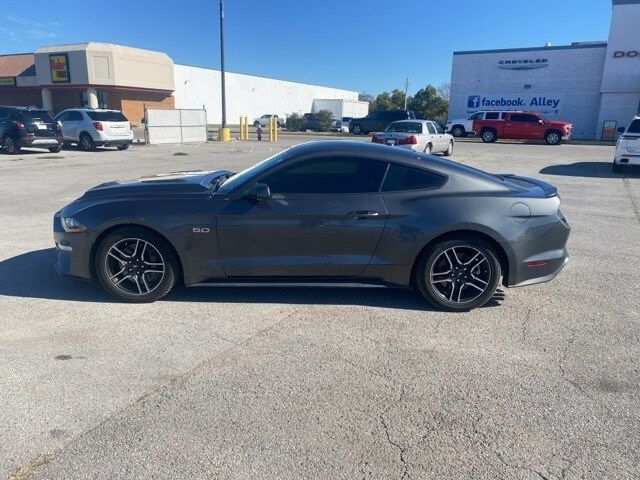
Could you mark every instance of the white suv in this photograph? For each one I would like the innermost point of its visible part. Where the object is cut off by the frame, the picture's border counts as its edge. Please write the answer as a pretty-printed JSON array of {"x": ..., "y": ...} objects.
[
  {"x": 628, "y": 147},
  {"x": 461, "y": 127},
  {"x": 90, "y": 128}
]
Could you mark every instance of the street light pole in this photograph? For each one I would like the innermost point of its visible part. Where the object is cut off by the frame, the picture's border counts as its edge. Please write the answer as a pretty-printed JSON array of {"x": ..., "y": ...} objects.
[
  {"x": 406, "y": 90},
  {"x": 224, "y": 100}
]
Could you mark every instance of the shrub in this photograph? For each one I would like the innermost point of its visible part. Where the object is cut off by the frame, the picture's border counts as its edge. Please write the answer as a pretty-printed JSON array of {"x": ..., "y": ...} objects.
[
  {"x": 323, "y": 119},
  {"x": 294, "y": 122}
]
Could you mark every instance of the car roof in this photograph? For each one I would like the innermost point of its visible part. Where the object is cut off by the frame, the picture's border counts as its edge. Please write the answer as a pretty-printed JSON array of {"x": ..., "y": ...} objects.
[
  {"x": 391, "y": 154},
  {"x": 412, "y": 120},
  {"x": 90, "y": 110}
]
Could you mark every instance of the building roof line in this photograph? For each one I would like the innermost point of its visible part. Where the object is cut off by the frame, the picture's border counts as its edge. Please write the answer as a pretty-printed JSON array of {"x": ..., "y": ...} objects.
[{"x": 534, "y": 49}]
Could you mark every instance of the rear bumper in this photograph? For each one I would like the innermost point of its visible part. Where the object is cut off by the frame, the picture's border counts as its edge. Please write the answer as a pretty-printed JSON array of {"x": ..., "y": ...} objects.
[
  {"x": 625, "y": 158},
  {"x": 39, "y": 142},
  {"x": 546, "y": 273},
  {"x": 112, "y": 142}
]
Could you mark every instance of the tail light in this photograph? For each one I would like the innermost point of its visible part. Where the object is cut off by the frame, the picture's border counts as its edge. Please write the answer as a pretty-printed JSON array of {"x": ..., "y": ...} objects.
[
  {"x": 97, "y": 126},
  {"x": 18, "y": 124},
  {"x": 536, "y": 263},
  {"x": 377, "y": 139},
  {"x": 410, "y": 140}
]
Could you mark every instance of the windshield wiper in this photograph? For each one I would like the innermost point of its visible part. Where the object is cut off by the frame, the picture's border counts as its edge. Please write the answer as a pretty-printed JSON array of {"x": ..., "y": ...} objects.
[{"x": 218, "y": 181}]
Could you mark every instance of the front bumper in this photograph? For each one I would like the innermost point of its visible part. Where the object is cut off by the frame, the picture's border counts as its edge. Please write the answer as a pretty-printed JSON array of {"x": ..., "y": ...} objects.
[{"x": 73, "y": 251}]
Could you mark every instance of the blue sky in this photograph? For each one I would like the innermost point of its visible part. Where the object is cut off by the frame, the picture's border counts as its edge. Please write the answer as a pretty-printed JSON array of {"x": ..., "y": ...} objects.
[{"x": 361, "y": 45}]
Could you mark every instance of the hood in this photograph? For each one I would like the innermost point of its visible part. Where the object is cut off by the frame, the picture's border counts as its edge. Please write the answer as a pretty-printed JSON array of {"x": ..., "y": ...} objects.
[
  {"x": 559, "y": 123},
  {"x": 160, "y": 184}
]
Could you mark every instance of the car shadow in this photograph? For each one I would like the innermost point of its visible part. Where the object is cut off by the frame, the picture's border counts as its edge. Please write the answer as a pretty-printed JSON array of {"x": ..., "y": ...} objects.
[
  {"x": 591, "y": 170},
  {"x": 31, "y": 275}
]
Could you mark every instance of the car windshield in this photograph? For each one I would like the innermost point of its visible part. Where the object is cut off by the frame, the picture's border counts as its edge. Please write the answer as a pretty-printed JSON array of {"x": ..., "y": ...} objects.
[
  {"x": 239, "y": 178},
  {"x": 35, "y": 116},
  {"x": 634, "y": 127},
  {"x": 107, "y": 117}
]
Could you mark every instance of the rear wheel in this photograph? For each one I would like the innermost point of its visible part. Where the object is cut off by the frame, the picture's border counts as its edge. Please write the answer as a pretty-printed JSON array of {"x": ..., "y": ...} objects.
[
  {"x": 86, "y": 143},
  {"x": 458, "y": 274},
  {"x": 56, "y": 149},
  {"x": 458, "y": 131},
  {"x": 124, "y": 146},
  {"x": 428, "y": 149},
  {"x": 357, "y": 129},
  {"x": 553, "y": 138},
  {"x": 489, "y": 136},
  {"x": 449, "y": 150},
  {"x": 135, "y": 265},
  {"x": 11, "y": 145}
]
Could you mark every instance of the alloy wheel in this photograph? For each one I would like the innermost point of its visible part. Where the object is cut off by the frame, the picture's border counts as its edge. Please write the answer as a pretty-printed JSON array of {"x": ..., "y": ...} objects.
[
  {"x": 134, "y": 266},
  {"x": 10, "y": 145},
  {"x": 553, "y": 138},
  {"x": 460, "y": 274}
]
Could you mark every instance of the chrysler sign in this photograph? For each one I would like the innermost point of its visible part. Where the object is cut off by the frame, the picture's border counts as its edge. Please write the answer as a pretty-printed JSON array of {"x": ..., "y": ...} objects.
[{"x": 523, "y": 64}]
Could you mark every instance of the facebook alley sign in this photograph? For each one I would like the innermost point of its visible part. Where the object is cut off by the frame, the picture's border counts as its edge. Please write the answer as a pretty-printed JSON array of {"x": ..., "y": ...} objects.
[{"x": 546, "y": 103}]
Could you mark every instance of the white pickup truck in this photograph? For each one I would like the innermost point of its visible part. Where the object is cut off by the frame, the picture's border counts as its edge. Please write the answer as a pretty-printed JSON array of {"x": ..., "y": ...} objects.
[{"x": 461, "y": 127}]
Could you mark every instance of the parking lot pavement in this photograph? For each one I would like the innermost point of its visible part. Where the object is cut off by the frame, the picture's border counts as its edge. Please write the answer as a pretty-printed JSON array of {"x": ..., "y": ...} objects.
[{"x": 320, "y": 383}]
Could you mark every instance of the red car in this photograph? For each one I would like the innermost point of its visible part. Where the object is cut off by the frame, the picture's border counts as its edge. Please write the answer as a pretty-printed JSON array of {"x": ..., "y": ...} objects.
[{"x": 523, "y": 125}]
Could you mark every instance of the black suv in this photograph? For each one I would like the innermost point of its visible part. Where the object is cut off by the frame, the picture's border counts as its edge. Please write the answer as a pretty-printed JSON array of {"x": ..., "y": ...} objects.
[
  {"x": 28, "y": 127},
  {"x": 378, "y": 120}
]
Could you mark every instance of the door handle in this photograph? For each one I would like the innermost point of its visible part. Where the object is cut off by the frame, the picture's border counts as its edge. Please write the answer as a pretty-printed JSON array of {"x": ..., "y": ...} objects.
[{"x": 361, "y": 214}]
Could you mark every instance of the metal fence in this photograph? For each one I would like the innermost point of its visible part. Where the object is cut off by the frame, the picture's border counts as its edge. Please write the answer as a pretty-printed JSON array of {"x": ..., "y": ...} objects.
[{"x": 175, "y": 126}]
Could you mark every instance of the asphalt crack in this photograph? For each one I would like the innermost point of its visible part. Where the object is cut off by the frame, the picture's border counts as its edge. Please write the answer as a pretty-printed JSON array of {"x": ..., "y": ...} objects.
[
  {"x": 401, "y": 450},
  {"x": 521, "y": 467},
  {"x": 634, "y": 201}
]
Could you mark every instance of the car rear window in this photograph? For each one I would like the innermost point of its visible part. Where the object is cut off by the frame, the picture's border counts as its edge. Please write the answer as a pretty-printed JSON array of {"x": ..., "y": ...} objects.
[
  {"x": 107, "y": 116},
  {"x": 35, "y": 116},
  {"x": 634, "y": 127},
  {"x": 401, "y": 177}
]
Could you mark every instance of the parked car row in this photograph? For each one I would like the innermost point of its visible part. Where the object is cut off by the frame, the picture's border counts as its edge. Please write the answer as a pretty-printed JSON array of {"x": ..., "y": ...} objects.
[
  {"x": 493, "y": 125},
  {"x": 424, "y": 136},
  {"x": 25, "y": 127}
]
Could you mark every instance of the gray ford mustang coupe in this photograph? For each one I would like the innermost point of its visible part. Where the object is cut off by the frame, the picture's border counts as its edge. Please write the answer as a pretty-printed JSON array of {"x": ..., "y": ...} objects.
[{"x": 342, "y": 212}]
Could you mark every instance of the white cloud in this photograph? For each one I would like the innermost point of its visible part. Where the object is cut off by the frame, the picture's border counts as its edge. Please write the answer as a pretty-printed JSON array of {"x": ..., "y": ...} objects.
[{"x": 30, "y": 29}]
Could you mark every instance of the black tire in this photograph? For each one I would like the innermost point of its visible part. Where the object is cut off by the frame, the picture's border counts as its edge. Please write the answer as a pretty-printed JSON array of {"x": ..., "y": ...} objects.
[
  {"x": 489, "y": 135},
  {"x": 448, "y": 151},
  {"x": 617, "y": 168},
  {"x": 10, "y": 145},
  {"x": 553, "y": 138},
  {"x": 124, "y": 146},
  {"x": 127, "y": 235},
  {"x": 56, "y": 149},
  {"x": 458, "y": 131},
  {"x": 86, "y": 143},
  {"x": 357, "y": 130},
  {"x": 489, "y": 270}
]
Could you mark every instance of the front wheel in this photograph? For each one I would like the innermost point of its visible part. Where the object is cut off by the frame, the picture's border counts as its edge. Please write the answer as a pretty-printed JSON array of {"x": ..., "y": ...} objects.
[
  {"x": 135, "y": 265},
  {"x": 449, "y": 150},
  {"x": 11, "y": 145},
  {"x": 458, "y": 131},
  {"x": 553, "y": 138},
  {"x": 56, "y": 149},
  {"x": 357, "y": 129},
  {"x": 458, "y": 274}
]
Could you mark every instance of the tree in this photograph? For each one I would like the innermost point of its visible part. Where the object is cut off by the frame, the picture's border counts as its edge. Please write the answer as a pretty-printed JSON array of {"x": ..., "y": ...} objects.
[
  {"x": 393, "y": 100},
  {"x": 294, "y": 122},
  {"x": 323, "y": 120},
  {"x": 445, "y": 90},
  {"x": 428, "y": 103}
]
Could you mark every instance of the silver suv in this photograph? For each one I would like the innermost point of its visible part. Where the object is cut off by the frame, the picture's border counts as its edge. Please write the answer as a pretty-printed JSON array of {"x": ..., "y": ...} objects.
[{"x": 90, "y": 128}]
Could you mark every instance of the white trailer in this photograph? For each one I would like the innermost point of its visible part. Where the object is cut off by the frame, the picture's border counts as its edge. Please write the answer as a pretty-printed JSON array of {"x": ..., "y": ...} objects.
[{"x": 341, "y": 108}]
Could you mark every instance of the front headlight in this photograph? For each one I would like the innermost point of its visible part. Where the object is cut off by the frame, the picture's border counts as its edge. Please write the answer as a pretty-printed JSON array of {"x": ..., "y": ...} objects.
[{"x": 71, "y": 225}]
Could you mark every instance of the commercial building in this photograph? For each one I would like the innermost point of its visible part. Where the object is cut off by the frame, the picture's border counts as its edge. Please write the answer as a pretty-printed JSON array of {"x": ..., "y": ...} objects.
[
  {"x": 102, "y": 75},
  {"x": 594, "y": 85}
]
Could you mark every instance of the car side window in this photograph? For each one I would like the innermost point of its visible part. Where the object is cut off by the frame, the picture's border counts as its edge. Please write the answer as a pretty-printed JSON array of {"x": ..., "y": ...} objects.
[
  {"x": 63, "y": 117},
  {"x": 74, "y": 117},
  {"x": 403, "y": 177},
  {"x": 492, "y": 116},
  {"x": 431, "y": 128},
  {"x": 523, "y": 117},
  {"x": 476, "y": 116},
  {"x": 438, "y": 127},
  {"x": 634, "y": 127},
  {"x": 328, "y": 175}
]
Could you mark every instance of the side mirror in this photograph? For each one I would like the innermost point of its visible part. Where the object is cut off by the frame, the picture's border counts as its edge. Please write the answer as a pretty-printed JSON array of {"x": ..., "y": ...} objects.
[
  {"x": 622, "y": 129},
  {"x": 259, "y": 191}
]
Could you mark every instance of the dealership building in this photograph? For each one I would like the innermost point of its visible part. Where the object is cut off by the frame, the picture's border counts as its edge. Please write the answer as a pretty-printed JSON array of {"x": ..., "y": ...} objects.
[
  {"x": 103, "y": 75},
  {"x": 594, "y": 85}
]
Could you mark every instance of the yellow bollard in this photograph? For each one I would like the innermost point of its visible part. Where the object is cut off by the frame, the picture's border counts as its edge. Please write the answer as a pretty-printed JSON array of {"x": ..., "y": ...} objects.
[
  {"x": 275, "y": 129},
  {"x": 224, "y": 134},
  {"x": 246, "y": 128},
  {"x": 241, "y": 128}
]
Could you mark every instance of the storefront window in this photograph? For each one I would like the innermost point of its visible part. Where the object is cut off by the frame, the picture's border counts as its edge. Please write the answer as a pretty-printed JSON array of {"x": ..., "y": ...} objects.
[{"x": 102, "y": 99}]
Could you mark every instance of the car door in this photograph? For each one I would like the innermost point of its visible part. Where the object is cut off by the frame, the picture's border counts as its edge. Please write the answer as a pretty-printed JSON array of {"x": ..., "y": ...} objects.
[
  {"x": 61, "y": 118},
  {"x": 72, "y": 126},
  {"x": 441, "y": 138},
  {"x": 519, "y": 125},
  {"x": 324, "y": 218},
  {"x": 433, "y": 137}
]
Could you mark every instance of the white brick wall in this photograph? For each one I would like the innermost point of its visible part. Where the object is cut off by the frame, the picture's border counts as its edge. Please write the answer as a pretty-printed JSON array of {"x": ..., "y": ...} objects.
[{"x": 575, "y": 73}]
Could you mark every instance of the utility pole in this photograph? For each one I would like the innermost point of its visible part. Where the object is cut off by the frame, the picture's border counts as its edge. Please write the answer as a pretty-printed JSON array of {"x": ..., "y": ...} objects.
[
  {"x": 223, "y": 130},
  {"x": 406, "y": 90}
]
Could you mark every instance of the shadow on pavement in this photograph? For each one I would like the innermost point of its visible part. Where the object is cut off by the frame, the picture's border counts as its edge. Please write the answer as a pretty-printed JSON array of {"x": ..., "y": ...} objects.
[
  {"x": 31, "y": 275},
  {"x": 591, "y": 169}
]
